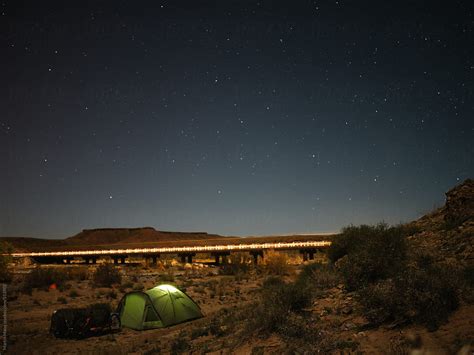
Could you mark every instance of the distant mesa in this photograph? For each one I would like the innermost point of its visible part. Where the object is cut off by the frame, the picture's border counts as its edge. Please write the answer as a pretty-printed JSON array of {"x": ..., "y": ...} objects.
[
  {"x": 133, "y": 235},
  {"x": 105, "y": 237}
]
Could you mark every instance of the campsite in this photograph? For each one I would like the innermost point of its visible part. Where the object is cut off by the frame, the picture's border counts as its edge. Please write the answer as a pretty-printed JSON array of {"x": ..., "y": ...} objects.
[{"x": 230, "y": 297}]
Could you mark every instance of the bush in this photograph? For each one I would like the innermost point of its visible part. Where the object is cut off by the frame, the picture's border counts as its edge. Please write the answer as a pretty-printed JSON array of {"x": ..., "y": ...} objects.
[
  {"x": 426, "y": 296},
  {"x": 276, "y": 263},
  {"x": 278, "y": 300},
  {"x": 366, "y": 254},
  {"x": 5, "y": 274},
  {"x": 318, "y": 276},
  {"x": 78, "y": 274},
  {"x": 43, "y": 278},
  {"x": 138, "y": 287},
  {"x": 73, "y": 294},
  {"x": 167, "y": 277},
  {"x": 112, "y": 294},
  {"x": 106, "y": 275},
  {"x": 62, "y": 300},
  {"x": 180, "y": 344}
]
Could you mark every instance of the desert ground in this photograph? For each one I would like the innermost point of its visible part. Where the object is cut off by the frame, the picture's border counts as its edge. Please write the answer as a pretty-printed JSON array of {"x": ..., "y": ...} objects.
[{"x": 221, "y": 331}]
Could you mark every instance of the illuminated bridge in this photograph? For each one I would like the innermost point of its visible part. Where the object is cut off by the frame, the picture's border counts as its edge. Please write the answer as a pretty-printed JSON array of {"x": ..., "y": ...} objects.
[{"x": 186, "y": 253}]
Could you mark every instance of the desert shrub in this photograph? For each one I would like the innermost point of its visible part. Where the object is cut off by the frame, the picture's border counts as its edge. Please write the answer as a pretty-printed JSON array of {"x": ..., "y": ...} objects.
[
  {"x": 73, "y": 294},
  {"x": 106, "y": 275},
  {"x": 199, "y": 332},
  {"x": 296, "y": 326},
  {"x": 318, "y": 276},
  {"x": 138, "y": 287},
  {"x": 78, "y": 274},
  {"x": 5, "y": 273},
  {"x": 64, "y": 287},
  {"x": 180, "y": 344},
  {"x": 126, "y": 285},
  {"x": 420, "y": 295},
  {"x": 366, "y": 254},
  {"x": 167, "y": 277},
  {"x": 278, "y": 300},
  {"x": 43, "y": 278},
  {"x": 276, "y": 263},
  {"x": 111, "y": 294},
  {"x": 62, "y": 300}
]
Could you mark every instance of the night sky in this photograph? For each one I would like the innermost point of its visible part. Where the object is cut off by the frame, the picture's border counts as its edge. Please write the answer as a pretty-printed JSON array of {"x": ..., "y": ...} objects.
[{"x": 231, "y": 117}]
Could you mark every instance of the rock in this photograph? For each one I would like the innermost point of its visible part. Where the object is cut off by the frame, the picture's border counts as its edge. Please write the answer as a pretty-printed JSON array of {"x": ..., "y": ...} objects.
[
  {"x": 460, "y": 203},
  {"x": 346, "y": 310},
  {"x": 348, "y": 326}
]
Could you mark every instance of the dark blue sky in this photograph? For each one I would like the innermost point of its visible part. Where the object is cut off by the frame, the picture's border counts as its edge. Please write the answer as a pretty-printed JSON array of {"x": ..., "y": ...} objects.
[{"x": 231, "y": 117}]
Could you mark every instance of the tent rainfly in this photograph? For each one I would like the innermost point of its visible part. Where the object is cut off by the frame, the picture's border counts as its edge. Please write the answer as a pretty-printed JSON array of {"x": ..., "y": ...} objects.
[{"x": 159, "y": 307}]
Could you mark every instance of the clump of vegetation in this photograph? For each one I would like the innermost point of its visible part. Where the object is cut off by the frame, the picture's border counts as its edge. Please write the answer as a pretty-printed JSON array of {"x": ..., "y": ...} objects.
[
  {"x": 62, "y": 300},
  {"x": 138, "y": 287},
  {"x": 276, "y": 263},
  {"x": 367, "y": 254},
  {"x": 5, "y": 274},
  {"x": 318, "y": 276},
  {"x": 106, "y": 275},
  {"x": 392, "y": 284},
  {"x": 73, "y": 294},
  {"x": 64, "y": 287},
  {"x": 426, "y": 296},
  {"x": 43, "y": 278},
  {"x": 180, "y": 344},
  {"x": 278, "y": 302},
  {"x": 78, "y": 274},
  {"x": 167, "y": 277},
  {"x": 199, "y": 332},
  {"x": 126, "y": 285},
  {"x": 219, "y": 287},
  {"x": 112, "y": 294}
]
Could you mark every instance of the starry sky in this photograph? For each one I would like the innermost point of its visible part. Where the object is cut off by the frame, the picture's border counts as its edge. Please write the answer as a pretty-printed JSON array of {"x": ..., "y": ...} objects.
[{"x": 231, "y": 117}]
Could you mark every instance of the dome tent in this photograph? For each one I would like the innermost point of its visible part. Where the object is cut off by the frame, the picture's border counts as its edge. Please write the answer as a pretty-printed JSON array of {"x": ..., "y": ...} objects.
[{"x": 159, "y": 307}]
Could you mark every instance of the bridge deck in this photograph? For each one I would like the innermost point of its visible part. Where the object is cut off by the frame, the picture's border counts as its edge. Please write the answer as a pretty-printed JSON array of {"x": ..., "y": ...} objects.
[{"x": 183, "y": 249}]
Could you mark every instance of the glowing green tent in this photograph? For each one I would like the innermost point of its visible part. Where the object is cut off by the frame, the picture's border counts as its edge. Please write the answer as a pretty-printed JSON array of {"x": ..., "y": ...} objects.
[{"x": 161, "y": 306}]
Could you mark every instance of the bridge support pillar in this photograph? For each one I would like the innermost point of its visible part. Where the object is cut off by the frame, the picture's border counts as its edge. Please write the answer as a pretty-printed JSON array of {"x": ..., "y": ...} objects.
[
  {"x": 187, "y": 257},
  {"x": 308, "y": 254},
  {"x": 221, "y": 257},
  {"x": 256, "y": 254},
  {"x": 122, "y": 259},
  {"x": 151, "y": 258}
]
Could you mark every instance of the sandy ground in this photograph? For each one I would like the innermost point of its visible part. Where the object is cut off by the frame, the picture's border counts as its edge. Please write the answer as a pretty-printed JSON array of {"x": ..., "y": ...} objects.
[{"x": 29, "y": 319}]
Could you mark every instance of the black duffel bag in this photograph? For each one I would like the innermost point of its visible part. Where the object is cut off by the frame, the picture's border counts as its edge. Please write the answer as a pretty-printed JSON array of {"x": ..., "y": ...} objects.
[{"x": 83, "y": 322}]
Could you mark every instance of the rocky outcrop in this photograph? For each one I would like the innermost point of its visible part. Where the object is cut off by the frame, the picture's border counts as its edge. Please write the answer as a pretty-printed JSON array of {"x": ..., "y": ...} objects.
[
  {"x": 449, "y": 230},
  {"x": 459, "y": 204}
]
